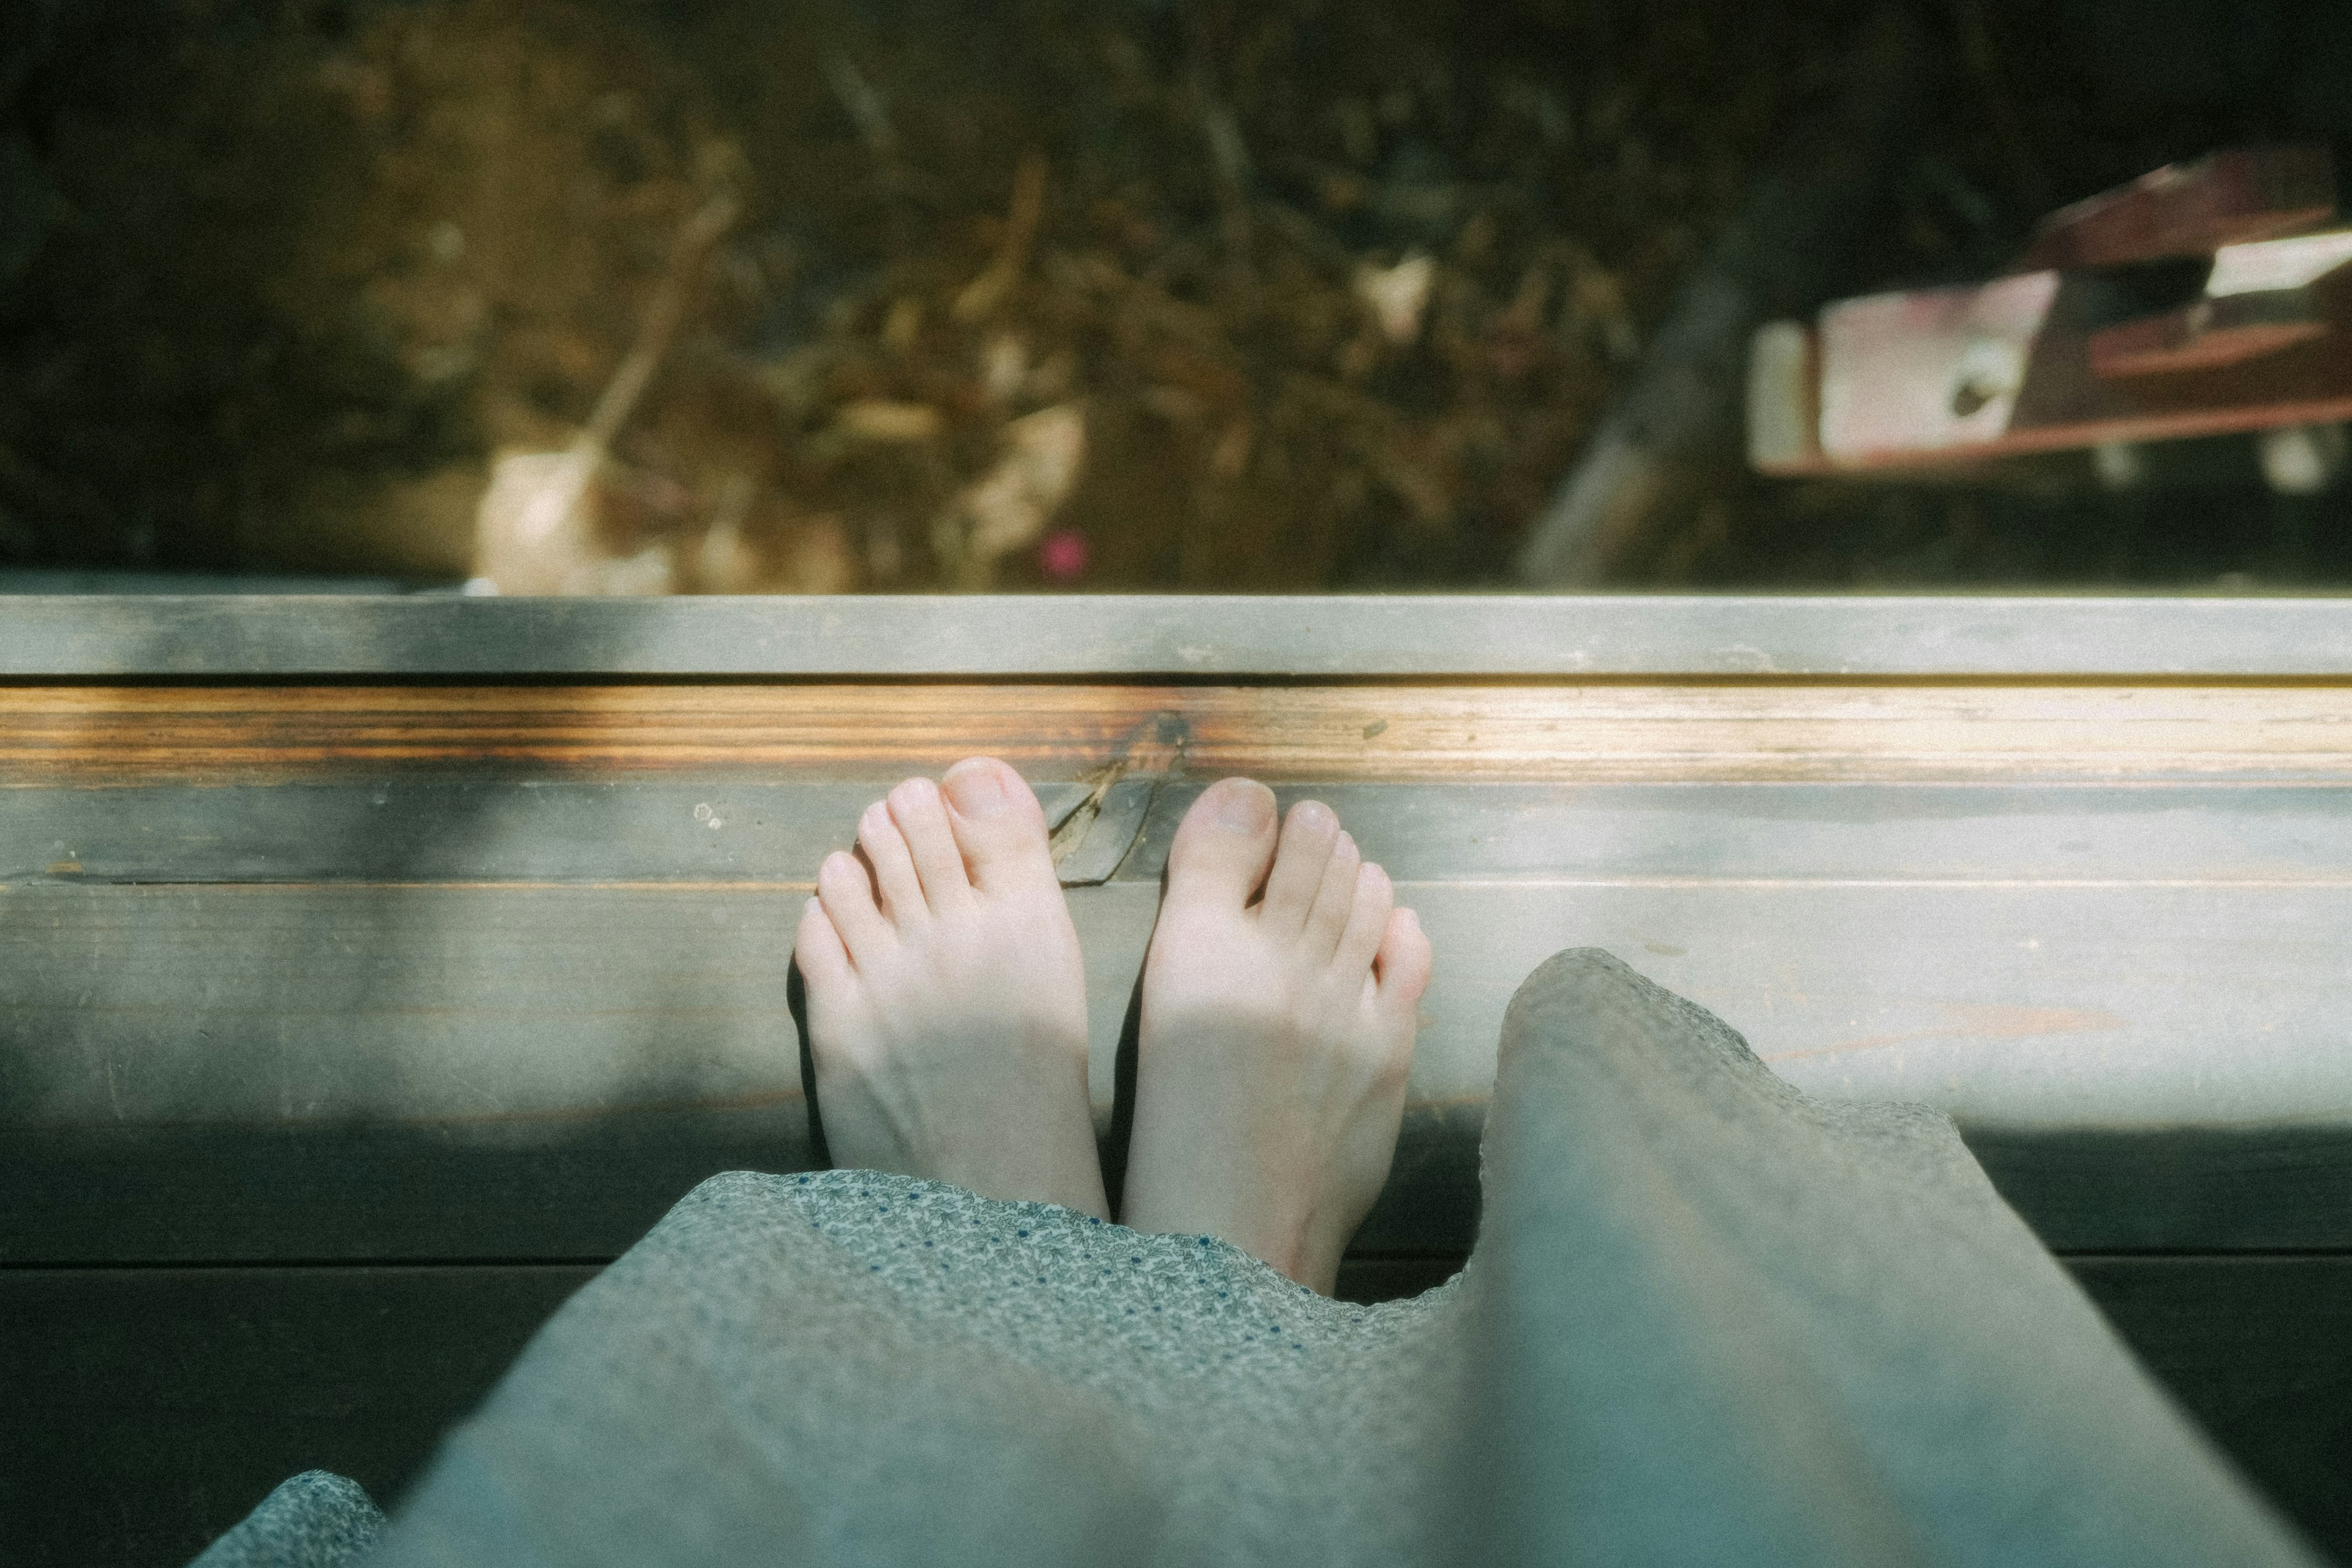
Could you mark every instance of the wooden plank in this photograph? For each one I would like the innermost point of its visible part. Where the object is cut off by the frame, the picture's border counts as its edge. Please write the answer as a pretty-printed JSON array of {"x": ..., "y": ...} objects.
[
  {"x": 403, "y": 829},
  {"x": 358, "y": 1192},
  {"x": 2210, "y": 1189},
  {"x": 2192, "y": 209},
  {"x": 2027, "y": 1003},
  {"x": 149, "y": 1409},
  {"x": 86, "y": 736},
  {"x": 416, "y": 1034},
  {"x": 407, "y": 828},
  {"x": 2017, "y": 1004},
  {"x": 2259, "y": 1352},
  {"x": 1927, "y": 372},
  {"x": 371, "y": 1193},
  {"x": 1936, "y": 380},
  {"x": 1853, "y": 831},
  {"x": 1198, "y": 636}
]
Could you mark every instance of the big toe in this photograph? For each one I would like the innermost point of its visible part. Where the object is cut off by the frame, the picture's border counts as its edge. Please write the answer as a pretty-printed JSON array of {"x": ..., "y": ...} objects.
[
  {"x": 1223, "y": 846},
  {"x": 997, "y": 823}
]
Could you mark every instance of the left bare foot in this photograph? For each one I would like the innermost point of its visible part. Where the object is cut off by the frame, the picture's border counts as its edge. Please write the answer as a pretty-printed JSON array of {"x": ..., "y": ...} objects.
[{"x": 948, "y": 1017}]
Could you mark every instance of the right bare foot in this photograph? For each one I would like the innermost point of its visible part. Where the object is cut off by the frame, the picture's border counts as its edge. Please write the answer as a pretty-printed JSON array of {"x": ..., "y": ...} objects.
[
  {"x": 948, "y": 1018},
  {"x": 1276, "y": 1035}
]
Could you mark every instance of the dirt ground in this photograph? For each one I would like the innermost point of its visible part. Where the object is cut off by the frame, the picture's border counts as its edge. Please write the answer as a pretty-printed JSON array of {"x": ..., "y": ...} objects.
[{"x": 1119, "y": 294}]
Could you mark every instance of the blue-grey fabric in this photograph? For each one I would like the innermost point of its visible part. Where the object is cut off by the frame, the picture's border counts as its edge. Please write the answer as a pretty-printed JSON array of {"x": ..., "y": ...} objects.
[
  {"x": 1708, "y": 1321},
  {"x": 315, "y": 1519}
]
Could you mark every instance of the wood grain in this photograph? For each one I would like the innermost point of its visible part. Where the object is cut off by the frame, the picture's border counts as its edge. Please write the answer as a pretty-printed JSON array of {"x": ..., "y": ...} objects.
[
  {"x": 692, "y": 828},
  {"x": 1147, "y": 638},
  {"x": 97, "y": 735},
  {"x": 2013, "y": 1004}
]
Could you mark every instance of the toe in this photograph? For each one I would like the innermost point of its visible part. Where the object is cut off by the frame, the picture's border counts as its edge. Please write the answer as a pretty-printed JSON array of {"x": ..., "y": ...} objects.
[
  {"x": 916, "y": 807},
  {"x": 998, "y": 826},
  {"x": 894, "y": 866},
  {"x": 1223, "y": 845},
  {"x": 1401, "y": 966},
  {"x": 1327, "y": 918},
  {"x": 817, "y": 949},
  {"x": 848, "y": 898},
  {"x": 1367, "y": 921},
  {"x": 1307, "y": 836}
]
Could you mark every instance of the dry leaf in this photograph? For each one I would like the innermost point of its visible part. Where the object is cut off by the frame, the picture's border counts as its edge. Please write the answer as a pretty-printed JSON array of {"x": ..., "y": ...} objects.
[
  {"x": 534, "y": 528},
  {"x": 1011, "y": 504},
  {"x": 1397, "y": 296},
  {"x": 874, "y": 419}
]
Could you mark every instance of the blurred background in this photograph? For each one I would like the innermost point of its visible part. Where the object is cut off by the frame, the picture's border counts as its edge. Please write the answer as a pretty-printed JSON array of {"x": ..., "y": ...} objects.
[{"x": 888, "y": 295}]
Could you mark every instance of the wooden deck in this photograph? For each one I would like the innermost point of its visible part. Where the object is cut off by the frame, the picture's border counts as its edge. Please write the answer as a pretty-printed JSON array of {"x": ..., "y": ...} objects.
[{"x": 378, "y": 967}]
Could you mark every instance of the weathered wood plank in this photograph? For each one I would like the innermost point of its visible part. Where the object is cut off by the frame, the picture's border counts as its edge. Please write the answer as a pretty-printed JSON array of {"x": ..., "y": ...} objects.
[
  {"x": 1344, "y": 636},
  {"x": 2210, "y": 1189},
  {"x": 403, "y": 829},
  {"x": 2192, "y": 209},
  {"x": 2022, "y": 1003},
  {"x": 150, "y": 1408},
  {"x": 86, "y": 735},
  {"x": 1856, "y": 831},
  {"x": 368, "y": 1193},
  {"x": 217, "y": 1063}
]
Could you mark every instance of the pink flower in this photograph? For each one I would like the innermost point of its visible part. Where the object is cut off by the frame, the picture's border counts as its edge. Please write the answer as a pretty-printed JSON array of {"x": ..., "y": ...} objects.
[{"x": 1062, "y": 555}]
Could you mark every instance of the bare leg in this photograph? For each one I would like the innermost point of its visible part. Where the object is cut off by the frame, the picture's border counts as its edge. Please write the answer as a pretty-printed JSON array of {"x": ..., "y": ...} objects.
[
  {"x": 948, "y": 1015},
  {"x": 1276, "y": 1035}
]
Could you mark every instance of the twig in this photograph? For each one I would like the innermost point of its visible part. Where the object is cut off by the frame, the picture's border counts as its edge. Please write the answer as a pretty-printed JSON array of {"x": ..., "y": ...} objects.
[
  {"x": 863, "y": 105},
  {"x": 663, "y": 315},
  {"x": 551, "y": 508},
  {"x": 984, "y": 293}
]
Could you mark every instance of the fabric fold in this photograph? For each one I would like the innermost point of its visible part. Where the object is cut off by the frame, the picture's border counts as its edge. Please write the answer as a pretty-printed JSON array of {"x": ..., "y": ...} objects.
[{"x": 1706, "y": 1320}]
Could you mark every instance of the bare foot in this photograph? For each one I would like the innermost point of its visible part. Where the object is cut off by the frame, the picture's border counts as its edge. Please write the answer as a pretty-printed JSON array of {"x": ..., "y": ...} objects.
[
  {"x": 1270, "y": 1069},
  {"x": 947, "y": 1022}
]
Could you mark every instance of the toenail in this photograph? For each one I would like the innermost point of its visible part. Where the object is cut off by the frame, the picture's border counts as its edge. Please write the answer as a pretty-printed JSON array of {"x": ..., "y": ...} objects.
[
  {"x": 1311, "y": 814},
  {"x": 977, "y": 791},
  {"x": 1243, "y": 806}
]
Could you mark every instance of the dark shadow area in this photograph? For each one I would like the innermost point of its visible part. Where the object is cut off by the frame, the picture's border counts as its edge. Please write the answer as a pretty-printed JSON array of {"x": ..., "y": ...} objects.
[
  {"x": 241, "y": 1378},
  {"x": 820, "y": 1154}
]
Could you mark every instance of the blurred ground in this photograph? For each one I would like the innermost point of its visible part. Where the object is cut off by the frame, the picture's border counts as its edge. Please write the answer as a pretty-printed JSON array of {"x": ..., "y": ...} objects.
[{"x": 1116, "y": 295}]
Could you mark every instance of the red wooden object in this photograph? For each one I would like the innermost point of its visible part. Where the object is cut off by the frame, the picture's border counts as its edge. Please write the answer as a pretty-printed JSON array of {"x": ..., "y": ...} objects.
[
  {"x": 1930, "y": 380},
  {"x": 2192, "y": 209}
]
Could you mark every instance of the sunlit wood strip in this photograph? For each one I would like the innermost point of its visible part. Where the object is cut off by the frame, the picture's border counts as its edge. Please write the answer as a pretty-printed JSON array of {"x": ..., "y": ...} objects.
[{"x": 1405, "y": 733}]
